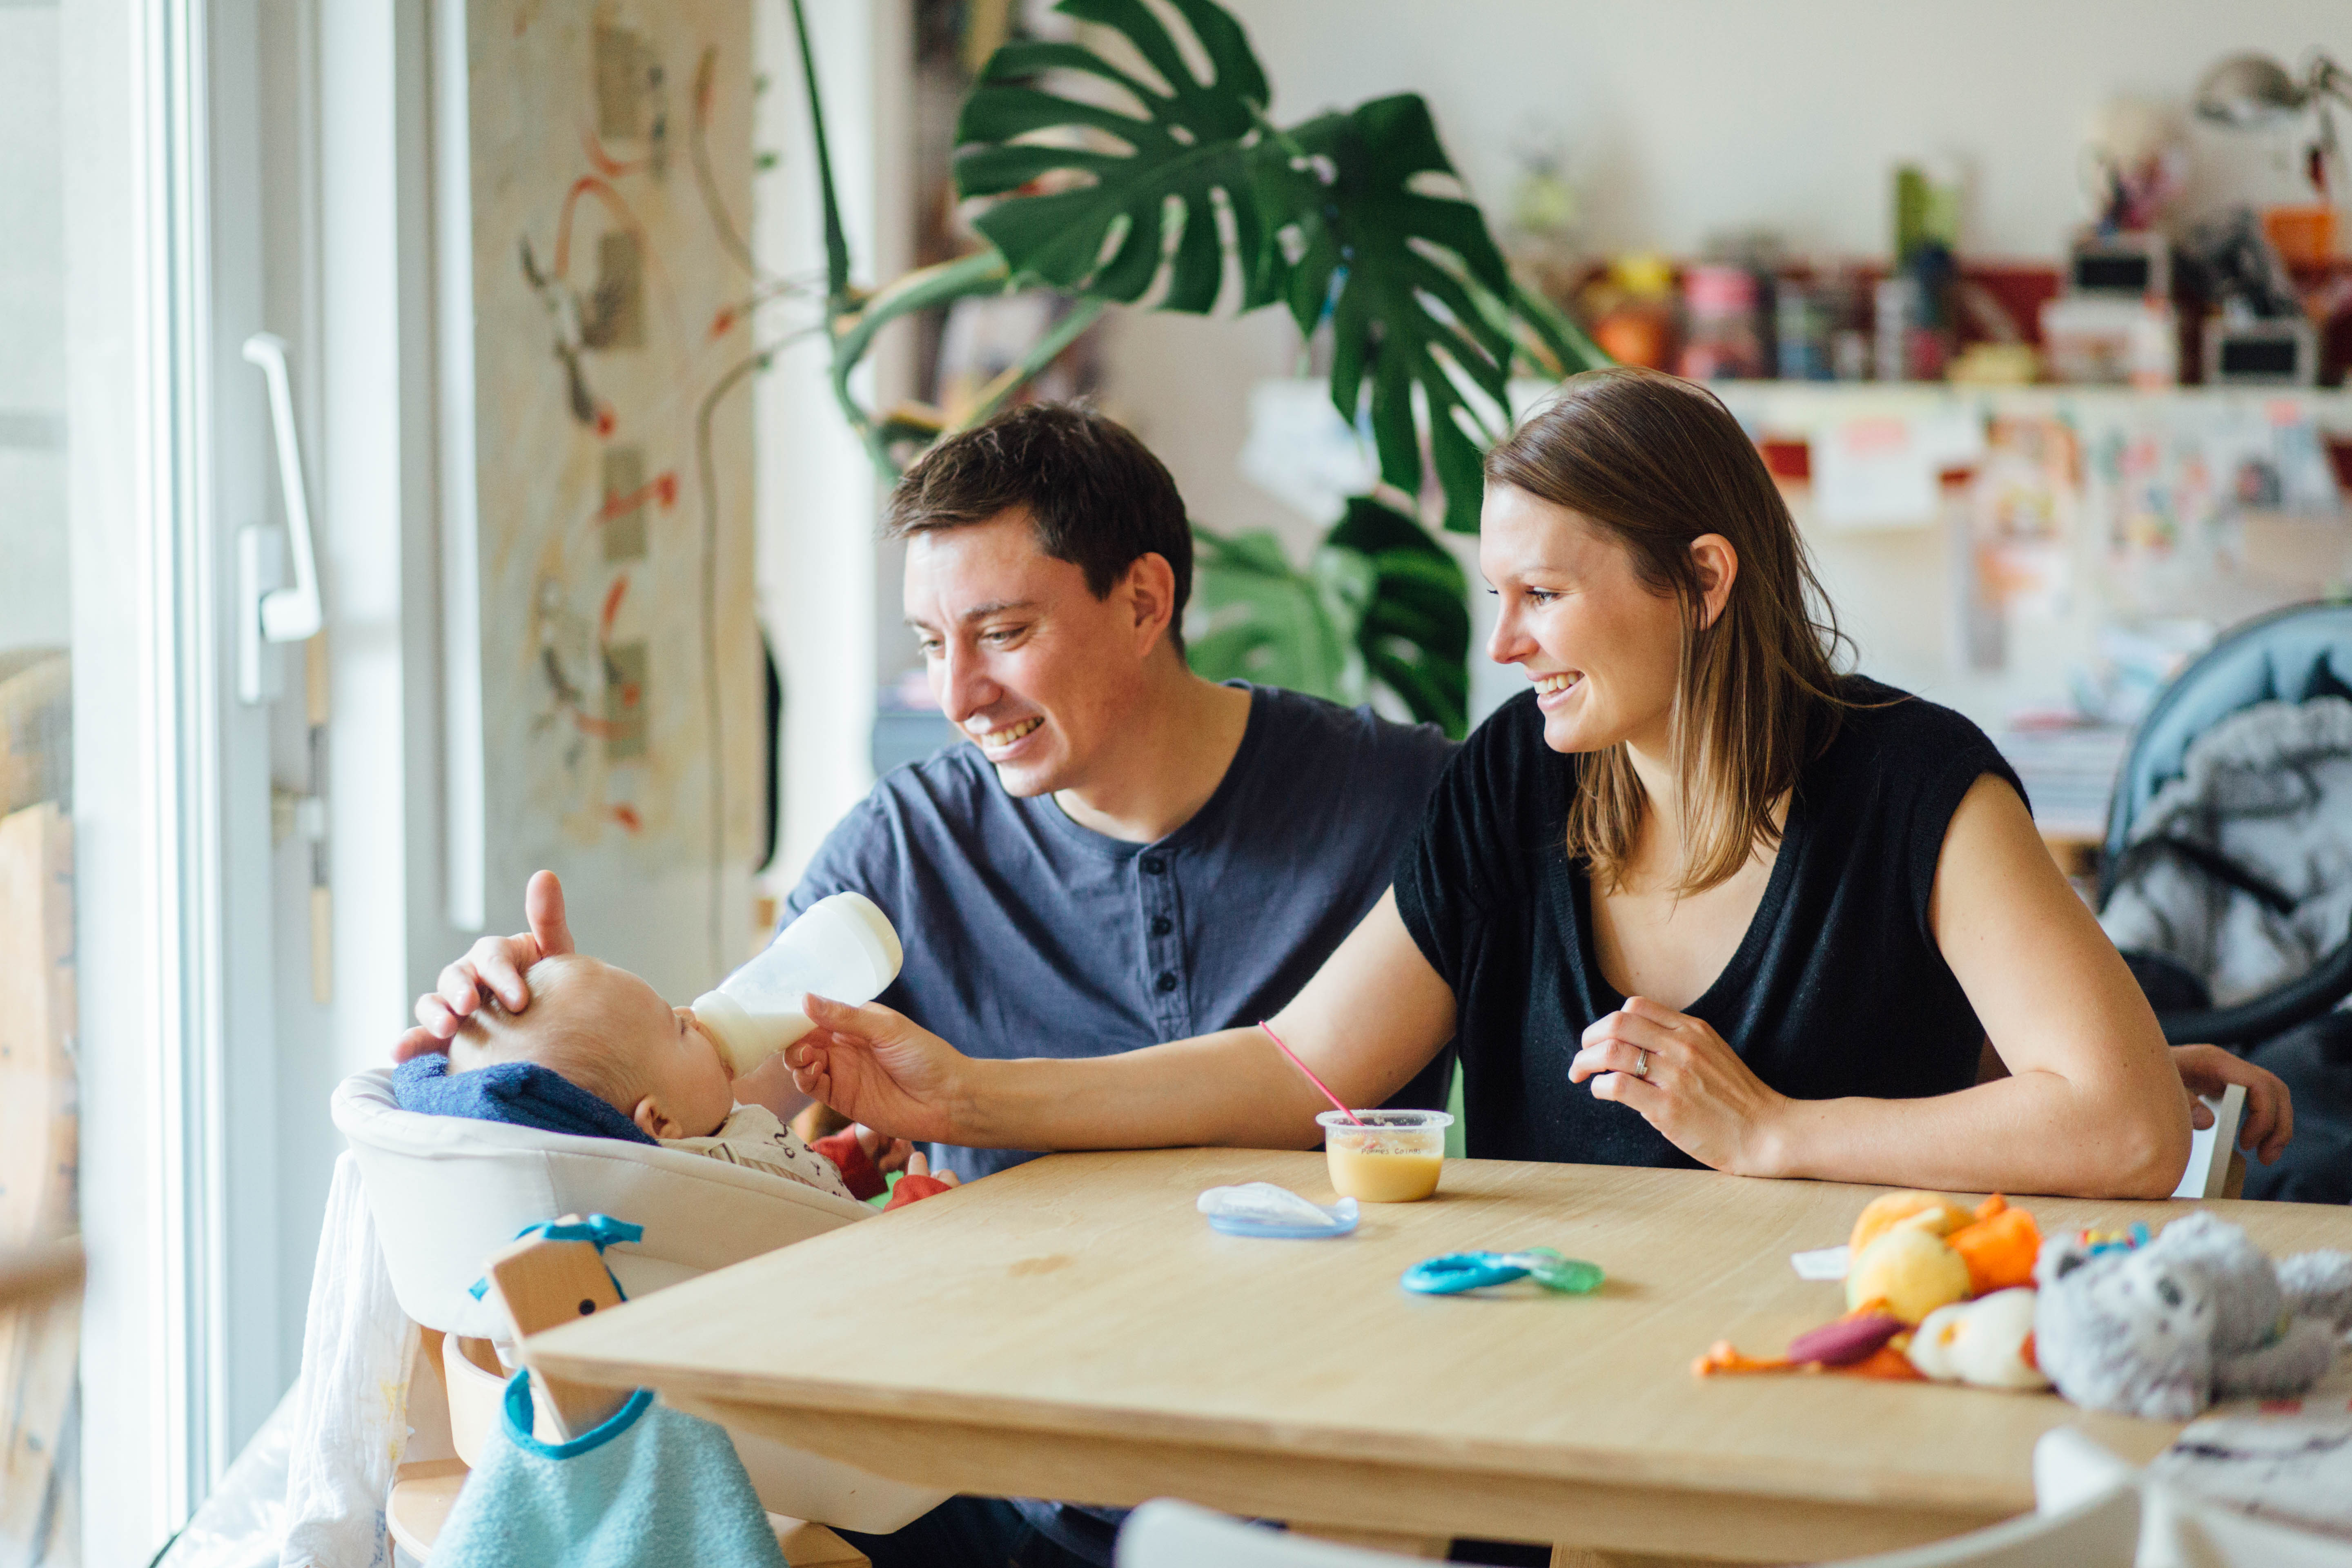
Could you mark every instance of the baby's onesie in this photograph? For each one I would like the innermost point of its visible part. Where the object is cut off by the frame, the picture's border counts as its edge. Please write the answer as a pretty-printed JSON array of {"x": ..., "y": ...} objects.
[
  {"x": 752, "y": 1137},
  {"x": 838, "y": 1163}
]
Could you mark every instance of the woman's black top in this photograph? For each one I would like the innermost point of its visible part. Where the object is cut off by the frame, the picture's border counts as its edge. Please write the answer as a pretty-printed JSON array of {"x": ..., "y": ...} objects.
[{"x": 1837, "y": 989}]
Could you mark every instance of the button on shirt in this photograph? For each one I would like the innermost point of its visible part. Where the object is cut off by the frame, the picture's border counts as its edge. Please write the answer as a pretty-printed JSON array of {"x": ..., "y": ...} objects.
[{"x": 1028, "y": 935}]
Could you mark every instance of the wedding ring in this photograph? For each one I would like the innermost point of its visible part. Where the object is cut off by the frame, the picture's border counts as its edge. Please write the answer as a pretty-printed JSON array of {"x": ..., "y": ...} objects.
[{"x": 1642, "y": 1067}]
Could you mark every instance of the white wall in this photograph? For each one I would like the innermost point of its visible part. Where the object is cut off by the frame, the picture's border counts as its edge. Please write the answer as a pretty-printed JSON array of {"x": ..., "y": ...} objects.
[
  {"x": 1686, "y": 117},
  {"x": 819, "y": 585},
  {"x": 1682, "y": 119}
]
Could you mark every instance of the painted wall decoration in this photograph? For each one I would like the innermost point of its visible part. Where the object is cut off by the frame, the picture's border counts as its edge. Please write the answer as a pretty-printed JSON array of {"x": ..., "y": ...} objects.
[{"x": 609, "y": 151}]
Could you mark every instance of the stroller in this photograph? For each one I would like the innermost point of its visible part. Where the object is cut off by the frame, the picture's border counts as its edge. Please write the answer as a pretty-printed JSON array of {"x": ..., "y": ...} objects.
[{"x": 2226, "y": 873}]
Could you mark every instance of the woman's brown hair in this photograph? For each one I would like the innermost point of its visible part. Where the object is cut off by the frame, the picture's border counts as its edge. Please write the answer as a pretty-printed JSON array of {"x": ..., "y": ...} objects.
[{"x": 1654, "y": 462}]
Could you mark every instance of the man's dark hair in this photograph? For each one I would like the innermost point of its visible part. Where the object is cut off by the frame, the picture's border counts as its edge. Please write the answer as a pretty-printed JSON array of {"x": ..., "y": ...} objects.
[{"x": 1096, "y": 495}]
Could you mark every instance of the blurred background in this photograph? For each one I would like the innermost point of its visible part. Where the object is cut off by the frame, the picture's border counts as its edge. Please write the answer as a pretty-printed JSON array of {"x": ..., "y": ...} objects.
[{"x": 439, "y": 440}]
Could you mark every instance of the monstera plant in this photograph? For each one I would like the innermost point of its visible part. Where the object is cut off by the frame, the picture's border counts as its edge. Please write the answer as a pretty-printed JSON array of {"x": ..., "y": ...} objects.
[{"x": 1112, "y": 185}]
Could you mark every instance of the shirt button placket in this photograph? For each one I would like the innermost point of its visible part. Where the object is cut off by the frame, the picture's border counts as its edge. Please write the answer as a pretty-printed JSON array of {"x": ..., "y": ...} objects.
[{"x": 1163, "y": 952}]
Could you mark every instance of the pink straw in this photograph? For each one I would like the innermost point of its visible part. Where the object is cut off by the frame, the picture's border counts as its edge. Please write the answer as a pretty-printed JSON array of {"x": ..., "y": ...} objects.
[{"x": 1337, "y": 1103}]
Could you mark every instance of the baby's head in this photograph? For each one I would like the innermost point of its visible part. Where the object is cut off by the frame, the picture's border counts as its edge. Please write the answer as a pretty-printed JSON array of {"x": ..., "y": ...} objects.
[{"x": 606, "y": 1031}]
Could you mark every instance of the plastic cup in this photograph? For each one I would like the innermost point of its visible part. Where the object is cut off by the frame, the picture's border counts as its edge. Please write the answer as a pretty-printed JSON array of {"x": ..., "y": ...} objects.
[{"x": 1393, "y": 1157}]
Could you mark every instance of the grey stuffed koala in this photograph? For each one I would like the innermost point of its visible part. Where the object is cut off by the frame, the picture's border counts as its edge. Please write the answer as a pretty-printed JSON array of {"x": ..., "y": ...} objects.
[{"x": 2165, "y": 1327}]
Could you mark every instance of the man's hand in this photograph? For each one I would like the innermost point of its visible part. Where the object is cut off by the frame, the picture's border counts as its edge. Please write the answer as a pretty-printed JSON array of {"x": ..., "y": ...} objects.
[
  {"x": 2269, "y": 1122},
  {"x": 877, "y": 1066},
  {"x": 492, "y": 966}
]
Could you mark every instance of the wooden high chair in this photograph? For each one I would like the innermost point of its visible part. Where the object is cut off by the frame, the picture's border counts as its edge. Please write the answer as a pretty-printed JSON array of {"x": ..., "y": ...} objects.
[{"x": 538, "y": 1284}]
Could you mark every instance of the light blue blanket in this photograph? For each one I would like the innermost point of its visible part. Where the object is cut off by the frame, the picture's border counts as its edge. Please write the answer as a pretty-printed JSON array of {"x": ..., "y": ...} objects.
[{"x": 651, "y": 1486}]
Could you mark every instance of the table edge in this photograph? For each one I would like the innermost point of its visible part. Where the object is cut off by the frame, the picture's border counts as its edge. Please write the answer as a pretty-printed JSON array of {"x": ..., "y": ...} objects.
[{"x": 1734, "y": 1474}]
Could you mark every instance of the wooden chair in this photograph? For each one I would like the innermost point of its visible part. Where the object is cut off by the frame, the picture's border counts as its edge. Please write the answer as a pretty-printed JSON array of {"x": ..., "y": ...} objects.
[
  {"x": 30, "y": 1276},
  {"x": 538, "y": 1284}
]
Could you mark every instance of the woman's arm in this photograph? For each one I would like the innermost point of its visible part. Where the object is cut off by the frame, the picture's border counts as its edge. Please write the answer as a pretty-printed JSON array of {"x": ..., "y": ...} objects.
[
  {"x": 2093, "y": 1106},
  {"x": 1371, "y": 1017},
  {"x": 2207, "y": 1072}
]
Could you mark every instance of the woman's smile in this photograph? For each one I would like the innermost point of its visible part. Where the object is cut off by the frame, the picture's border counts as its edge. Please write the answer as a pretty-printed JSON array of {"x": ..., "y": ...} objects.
[{"x": 1553, "y": 691}]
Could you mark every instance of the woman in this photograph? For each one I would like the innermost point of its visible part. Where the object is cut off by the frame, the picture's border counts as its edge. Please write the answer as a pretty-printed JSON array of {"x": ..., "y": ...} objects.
[{"x": 1694, "y": 898}]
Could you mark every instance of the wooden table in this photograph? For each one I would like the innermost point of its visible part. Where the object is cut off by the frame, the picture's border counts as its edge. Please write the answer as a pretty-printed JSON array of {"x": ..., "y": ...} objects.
[{"x": 1073, "y": 1328}]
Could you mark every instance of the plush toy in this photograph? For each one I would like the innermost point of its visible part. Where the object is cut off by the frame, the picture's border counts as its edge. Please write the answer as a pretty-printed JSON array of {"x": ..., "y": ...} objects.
[
  {"x": 2162, "y": 1327},
  {"x": 1917, "y": 1252},
  {"x": 1987, "y": 1342},
  {"x": 1931, "y": 1212},
  {"x": 1909, "y": 1269}
]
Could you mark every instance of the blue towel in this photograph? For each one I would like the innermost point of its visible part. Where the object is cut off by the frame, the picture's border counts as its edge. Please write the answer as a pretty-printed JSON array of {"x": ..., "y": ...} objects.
[
  {"x": 651, "y": 1486},
  {"x": 522, "y": 1094}
]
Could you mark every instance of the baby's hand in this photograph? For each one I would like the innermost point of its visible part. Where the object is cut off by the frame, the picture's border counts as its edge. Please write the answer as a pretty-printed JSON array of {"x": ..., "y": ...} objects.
[
  {"x": 919, "y": 1184},
  {"x": 921, "y": 1165},
  {"x": 888, "y": 1154}
]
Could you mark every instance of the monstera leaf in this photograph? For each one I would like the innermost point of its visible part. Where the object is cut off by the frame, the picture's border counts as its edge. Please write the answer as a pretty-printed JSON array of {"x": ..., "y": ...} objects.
[
  {"x": 1415, "y": 289},
  {"x": 1333, "y": 218},
  {"x": 1414, "y": 633},
  {"x": 1382, "y": 601},
  {"x": 1107, "y": 236},
  {"x": 1275, "y": 624}
]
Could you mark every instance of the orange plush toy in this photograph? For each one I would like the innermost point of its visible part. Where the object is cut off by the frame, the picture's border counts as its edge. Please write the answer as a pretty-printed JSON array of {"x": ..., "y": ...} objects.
[{"x": 1915, "y": 1259}]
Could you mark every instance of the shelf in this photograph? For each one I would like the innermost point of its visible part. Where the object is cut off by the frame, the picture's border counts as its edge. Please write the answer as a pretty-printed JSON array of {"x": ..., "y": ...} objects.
[{"x": 1802, "y": 406}]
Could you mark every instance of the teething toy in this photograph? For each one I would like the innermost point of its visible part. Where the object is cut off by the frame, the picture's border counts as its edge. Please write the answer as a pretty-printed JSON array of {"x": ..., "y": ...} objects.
[{"x": 1458, "y": 1271}]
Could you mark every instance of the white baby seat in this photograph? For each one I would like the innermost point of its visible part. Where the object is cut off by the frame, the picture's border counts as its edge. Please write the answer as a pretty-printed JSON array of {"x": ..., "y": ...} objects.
[{"x": 448, "y": 1191}]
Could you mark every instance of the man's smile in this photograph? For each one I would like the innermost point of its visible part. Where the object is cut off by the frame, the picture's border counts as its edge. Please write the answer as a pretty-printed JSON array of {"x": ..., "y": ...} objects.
[{"x": 998, "y": 740}]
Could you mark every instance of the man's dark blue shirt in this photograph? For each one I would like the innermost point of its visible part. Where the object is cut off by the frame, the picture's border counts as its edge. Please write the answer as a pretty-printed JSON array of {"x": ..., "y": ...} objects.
[{"x": 1027, "y": 935}]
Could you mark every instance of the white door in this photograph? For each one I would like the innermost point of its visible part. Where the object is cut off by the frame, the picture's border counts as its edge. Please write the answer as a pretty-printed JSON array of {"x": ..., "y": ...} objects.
[
  {"x": 241, "y": 926},
  {"x": 319, "y": 239}
]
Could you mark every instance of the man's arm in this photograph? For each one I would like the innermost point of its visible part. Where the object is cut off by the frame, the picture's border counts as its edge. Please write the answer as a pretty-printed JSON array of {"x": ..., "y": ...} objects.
[{"x": 1372, "y": 1017}]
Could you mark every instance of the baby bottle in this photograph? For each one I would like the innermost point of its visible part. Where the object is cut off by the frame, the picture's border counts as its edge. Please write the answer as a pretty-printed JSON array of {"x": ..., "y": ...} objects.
[{"x": 842, "y": 948}]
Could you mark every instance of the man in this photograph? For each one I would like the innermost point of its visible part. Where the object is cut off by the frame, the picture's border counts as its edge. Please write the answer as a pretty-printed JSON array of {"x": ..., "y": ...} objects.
[{"x": 1124, "y": 852}]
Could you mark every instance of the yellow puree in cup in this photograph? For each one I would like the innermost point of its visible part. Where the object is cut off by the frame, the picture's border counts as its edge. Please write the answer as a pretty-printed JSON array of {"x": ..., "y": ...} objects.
[{"x": 1373, "y": 1176}]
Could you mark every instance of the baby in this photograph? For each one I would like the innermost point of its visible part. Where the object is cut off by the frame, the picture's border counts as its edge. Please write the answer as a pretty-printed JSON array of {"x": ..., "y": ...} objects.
[{"x": 606, "y": 1032}]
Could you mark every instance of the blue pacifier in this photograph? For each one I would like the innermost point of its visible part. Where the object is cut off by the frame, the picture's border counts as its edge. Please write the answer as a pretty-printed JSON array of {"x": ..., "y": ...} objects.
[{"x": 1459, "y": 1271}]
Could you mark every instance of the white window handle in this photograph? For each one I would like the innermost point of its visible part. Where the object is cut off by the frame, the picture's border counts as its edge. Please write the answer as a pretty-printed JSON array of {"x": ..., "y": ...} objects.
[{"x": 287, "y": 614}]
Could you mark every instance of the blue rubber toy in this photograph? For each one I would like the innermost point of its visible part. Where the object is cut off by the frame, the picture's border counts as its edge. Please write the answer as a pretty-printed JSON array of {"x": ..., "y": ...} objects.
[{"x": 1459, "y": 1271}]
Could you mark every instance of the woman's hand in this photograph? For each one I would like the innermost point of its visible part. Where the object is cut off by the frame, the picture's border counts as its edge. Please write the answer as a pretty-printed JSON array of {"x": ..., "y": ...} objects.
[
  {"x": 1677, "y": 1072},
  {"x": 2269, "y": 1122},
  {"x": 878, "y": 1068}
]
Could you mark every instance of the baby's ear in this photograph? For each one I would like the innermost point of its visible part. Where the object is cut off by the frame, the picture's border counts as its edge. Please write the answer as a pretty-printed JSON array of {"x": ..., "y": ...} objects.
[{"x": 652, "y": 1123}]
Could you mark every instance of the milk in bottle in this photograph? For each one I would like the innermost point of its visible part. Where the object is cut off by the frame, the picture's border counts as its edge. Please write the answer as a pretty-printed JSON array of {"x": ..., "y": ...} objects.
[{"x": 844, "y": 948}]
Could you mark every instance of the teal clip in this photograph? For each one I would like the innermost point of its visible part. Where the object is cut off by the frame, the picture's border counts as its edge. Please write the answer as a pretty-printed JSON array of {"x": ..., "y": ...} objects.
[
  {"x": 599, "y": 1228},
  {"x": 1459, "y": 1271},
  {"x": 2096, "y": 1242}
]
